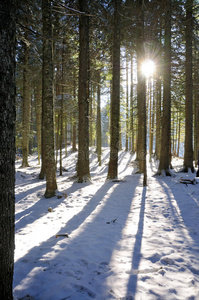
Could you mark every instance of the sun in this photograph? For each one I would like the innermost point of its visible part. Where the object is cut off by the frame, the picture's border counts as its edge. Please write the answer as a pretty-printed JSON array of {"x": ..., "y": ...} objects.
[{"x": 148, "y": 68}]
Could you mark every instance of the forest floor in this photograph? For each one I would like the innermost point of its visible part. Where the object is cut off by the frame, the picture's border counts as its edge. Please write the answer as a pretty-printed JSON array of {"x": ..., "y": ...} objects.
[{"x": 125, "y": 241}]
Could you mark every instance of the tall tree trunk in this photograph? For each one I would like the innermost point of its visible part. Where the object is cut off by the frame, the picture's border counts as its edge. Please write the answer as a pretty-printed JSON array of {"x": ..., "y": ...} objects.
[
  {"x": 26, "y": 105},
  {"x": 83, "y": 170},
  {"x": 115, "y": 99},
  {"x": 31, "y": 144},
  {"x": 98, "y": 127},
  {"x": 62, "y": 103},
  {"x": 127, "y": 105},
  {"x": 196, "y": 103},
  {"x": 91, "y": 117},
  {"x": 150, "y": 119},
  {"x": 132, "y": 108},
  {"x": 7, "y": 146},
  {"x": 48, "y": 101},
  {"x": 38, "y": 109},
  {"x": 74, "y": 148},
  {"x": 166, "y": 118},
  {"x": 158, "y": 117},
  {"x": 188, "y": 155},
  {"x": 179, "y": 128},
  {"x": 141, "y": 95}
]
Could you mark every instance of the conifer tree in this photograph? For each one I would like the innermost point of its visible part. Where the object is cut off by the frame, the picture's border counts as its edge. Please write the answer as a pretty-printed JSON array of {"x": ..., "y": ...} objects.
[
  {"x": 115, "y": 99},
  {"x": 48, "y": 156},
  {"x": 7, "y": 145}
]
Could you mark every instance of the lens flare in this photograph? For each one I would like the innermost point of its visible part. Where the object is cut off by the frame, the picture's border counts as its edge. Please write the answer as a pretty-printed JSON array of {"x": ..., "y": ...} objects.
[{"x": 148, "y": 68}]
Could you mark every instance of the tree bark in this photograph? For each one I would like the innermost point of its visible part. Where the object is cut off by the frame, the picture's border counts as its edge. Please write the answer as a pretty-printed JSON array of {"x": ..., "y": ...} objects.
[
  {"x": 188, "y": 156},
  {"x": 83, "y": 171},
  {"x": 127, "y": 105},
  {"x": 158, "y": 117},
  {"x": 166, "y": 118},
  {"x": 48, "y": 102},
  {"x": 98, "y": 129},
  {"x": 26, "y": 106},
  {"x": 115, "y": 99},
  {"x": 132, "y": 108},
  {"x": 141, "y": 94},
  {"x": 7, "y": 146},
  {"x": 38, "y": 109}
]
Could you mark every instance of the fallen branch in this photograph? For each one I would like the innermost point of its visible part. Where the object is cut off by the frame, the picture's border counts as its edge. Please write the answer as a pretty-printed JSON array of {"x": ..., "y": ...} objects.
[
  {"x": 187, "y": 181},
  {"x": 62, "y": 234}
]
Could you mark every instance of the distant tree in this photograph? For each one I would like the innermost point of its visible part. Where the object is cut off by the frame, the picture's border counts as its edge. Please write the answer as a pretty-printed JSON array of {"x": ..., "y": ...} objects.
[
  {"x": 98, "y": 126},
  {"x": 127, "y": 104},
  {"x": 7, "y": 145},
  {"x": 164, "y": 164},
  {"x": 188, "y": 155},
  {"x": 115, "y": 99},
  {"x": 26, "y": 102},
  {"x": 48, "y": 155},
  {"x": 38, "y": 111},
  {"x": 83, "y": 171}
]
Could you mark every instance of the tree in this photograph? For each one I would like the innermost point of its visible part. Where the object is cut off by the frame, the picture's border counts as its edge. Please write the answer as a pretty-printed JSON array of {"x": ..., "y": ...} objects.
[
  {"x": 98, "y": 123},
  {"x": 7, "y": 145},
  {"x": 188, "y": 156},
  {"x": 115, "y": 99},
  {"x": 26, "y": 103},
  {"x": 141, "y": 93},
  {"x": 83, "y": 171},
  {"x": 48, "y": 156},
  {"x": 166, "y": 118}
]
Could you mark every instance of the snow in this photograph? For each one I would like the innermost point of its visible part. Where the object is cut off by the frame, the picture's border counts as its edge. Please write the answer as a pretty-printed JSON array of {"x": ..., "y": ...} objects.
[{"x": 125, "y": 241}]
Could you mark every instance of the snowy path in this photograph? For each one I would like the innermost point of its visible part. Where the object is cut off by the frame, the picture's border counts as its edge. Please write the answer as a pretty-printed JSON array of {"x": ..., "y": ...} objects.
[{"x": 125, "y": 242}]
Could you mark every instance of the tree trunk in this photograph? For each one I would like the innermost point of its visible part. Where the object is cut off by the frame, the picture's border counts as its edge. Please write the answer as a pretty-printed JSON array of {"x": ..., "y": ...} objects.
[
  {"x": 158, "y": 117},
  {"x": 188, "y": 155},
  {"x": 48, "y": 102},
  {"x": 127, "y": 105},
  {"x": 74, "y": 148},
  {"x": 166, "y": 118},
  {"x": 132, "y": 108},
  {"x": 7, "y": 146},
  {"x": 62, "y": 103},
  {"x": 91, "y": 117},
  {"x": 26, "y": 105},
  {"x": 115, "y": 99},
  {"x": 98, "y": 129},
  {"x": 83, "y": 171},
  {"x": 38, "y": 109},
  {"x": 141, "y": 94}
]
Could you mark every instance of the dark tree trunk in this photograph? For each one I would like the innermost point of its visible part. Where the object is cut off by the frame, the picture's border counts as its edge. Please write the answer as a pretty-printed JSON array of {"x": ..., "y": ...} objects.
[
  {"x": 115, "y": 98},
  {"x": 132, "y": 108},
  {"x": 74, "y": 148},
  {"x": 188, "y": 156},
  {"x": 166, "y": 118},
  {"x": 26, "y": 105},
  {"x": 127, "y": 105},
  {"x": 98, "y": 129},
  {"x": 7, "y": 145},
  {"x": 83, "y": 171},
  {"x": 158, "y": 117},
  {"x": 38, "y": 109},
  {"x": 141, "y": 94},
  {"x": 47, "y": 99}
]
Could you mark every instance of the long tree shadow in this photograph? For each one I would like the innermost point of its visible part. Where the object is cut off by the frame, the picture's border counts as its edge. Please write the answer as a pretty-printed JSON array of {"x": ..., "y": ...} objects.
[
  {"x": 38, "y": 209},
  {"x": 188, "y": 208},
  {"x": 88, "y": 251},
  {"x": 132, "y": 283}
]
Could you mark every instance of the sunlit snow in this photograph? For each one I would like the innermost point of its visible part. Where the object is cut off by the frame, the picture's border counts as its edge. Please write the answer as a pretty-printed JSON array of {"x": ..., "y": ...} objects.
[{"x": 125, "y": 242}]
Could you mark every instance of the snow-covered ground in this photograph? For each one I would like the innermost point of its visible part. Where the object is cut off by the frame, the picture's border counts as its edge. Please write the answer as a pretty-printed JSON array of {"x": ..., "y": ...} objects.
[{"x": 124, "y": 241}]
